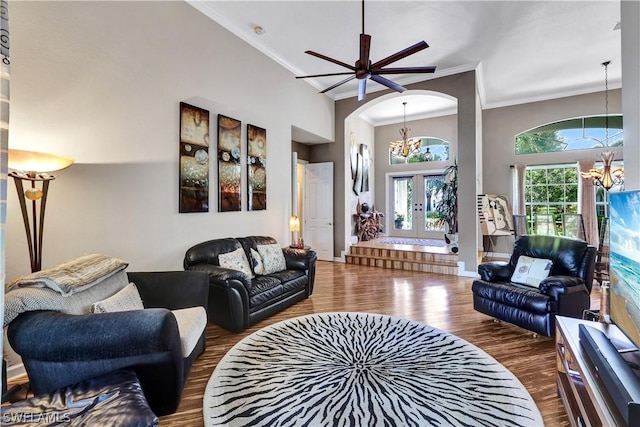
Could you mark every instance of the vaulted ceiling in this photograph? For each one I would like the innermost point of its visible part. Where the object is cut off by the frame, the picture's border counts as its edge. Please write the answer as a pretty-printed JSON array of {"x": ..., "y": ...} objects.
[{"x": 523, "y": 51}]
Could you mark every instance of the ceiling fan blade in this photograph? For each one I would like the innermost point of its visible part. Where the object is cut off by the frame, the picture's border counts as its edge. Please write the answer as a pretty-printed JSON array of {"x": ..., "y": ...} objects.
[
  {"x": 326, "y": 58},
  {"x": 338, "y": 84},
  {"x": 362, "y": 89},
  {"x": 399, "y": 55},
  {"x": 388, "y": 83},
  {"x": 365, "y": 47},
  {"x": 325, "y": 75},
  {"x": 407, "y": 70}
]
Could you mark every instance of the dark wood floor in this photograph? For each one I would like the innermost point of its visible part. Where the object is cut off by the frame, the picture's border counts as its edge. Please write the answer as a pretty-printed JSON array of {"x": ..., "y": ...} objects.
[{"x": 441, "y": 301}]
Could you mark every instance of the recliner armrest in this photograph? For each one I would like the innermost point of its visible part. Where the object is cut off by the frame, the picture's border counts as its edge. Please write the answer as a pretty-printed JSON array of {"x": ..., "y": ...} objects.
[
  {"x": 60, "y": 337},
  {"x": 562, "y": 285},
  {"x": 495, "y": 271}
]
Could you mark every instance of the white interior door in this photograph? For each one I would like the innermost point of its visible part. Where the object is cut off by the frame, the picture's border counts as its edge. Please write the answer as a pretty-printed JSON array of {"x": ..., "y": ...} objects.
[{"x": 318, "y": 202}]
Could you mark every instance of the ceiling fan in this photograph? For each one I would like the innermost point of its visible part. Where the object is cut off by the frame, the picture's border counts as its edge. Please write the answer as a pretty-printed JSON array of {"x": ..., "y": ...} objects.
[{"x": 364, "y": 69}]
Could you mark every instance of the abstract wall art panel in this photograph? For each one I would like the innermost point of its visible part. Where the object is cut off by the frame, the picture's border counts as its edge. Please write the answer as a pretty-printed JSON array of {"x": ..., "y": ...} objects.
[
  {"x": 229, "y": 179},
  {"x": 256, "y": 168},
  {"x": 194, "y": 159},
  {"x": 494, "y": 212}
]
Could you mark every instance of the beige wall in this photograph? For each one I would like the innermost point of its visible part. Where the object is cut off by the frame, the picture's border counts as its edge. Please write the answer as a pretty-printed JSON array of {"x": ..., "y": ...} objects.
[
  {"x": 101, "y": 82},
  {"x": 501, "y": 125},
  {"x": 461, "y": 87},
  {"x": 445, "y": 127}
]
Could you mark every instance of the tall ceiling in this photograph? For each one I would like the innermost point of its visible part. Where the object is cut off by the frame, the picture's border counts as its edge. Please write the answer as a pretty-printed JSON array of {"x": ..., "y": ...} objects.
[{"x": 523, "y": 51}]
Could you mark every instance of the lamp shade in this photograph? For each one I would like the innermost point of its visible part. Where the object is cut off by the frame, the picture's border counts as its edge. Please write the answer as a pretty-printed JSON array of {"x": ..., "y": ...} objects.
[
  {"x": 294, "y": 223},
  {"x": 33, "y": 161}
]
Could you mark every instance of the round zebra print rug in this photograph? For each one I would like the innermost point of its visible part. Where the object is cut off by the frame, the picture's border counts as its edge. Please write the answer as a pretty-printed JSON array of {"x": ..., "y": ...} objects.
[{"x": 359, "y": 369}]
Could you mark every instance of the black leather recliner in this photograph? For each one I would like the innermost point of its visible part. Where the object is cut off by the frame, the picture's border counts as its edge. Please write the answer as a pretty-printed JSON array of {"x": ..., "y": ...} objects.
[
  {"x": 565, "y": 292},
  {"x": 237, "y": 301}
]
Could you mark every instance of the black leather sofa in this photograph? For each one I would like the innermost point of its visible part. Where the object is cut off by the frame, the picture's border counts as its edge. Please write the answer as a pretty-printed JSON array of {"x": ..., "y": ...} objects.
[
  {"x": 237, "y": 301},
  {"x": 564, "y": 292},
  {"x": 60, "y": 349}
]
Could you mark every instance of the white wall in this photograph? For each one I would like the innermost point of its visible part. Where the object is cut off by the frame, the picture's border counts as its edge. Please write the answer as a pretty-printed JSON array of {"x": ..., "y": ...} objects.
[
  {"x": 101, "y": 82},
  {"x": 363, "y": 133}
]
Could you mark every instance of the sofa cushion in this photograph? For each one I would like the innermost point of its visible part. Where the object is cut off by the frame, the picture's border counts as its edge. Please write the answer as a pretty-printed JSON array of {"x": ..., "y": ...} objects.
[
  {"x": 128, "y": 298},
  {"x": 261, "y": 284},
  {"x": 514, "y": 295},
  {"x": 291, "y": 279},
  {"x": 191, "y": 323},
  {"x": 272, "y": 258},
  {"x": 236, "y": 260},
  {"x": 258, "y": 265},
  {"x": 531, "y": 271}
]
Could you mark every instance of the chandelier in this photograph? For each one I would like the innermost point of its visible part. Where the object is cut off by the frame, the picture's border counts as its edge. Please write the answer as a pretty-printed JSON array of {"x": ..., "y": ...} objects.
[
  {"x": 606, "y": 177},
  {"x": 406, "y": 147}
]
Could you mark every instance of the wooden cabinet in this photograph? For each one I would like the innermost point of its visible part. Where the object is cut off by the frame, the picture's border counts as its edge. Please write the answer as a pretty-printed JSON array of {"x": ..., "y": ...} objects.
[{"x": 580, "y": 389}]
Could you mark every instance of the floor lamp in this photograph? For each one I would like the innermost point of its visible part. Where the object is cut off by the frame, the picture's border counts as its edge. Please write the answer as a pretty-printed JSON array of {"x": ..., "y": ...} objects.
[{"x": 33, "y": 168}]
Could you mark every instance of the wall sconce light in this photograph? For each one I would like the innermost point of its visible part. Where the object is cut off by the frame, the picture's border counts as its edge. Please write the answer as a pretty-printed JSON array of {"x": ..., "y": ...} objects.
[{"x": 34, "y": 167}]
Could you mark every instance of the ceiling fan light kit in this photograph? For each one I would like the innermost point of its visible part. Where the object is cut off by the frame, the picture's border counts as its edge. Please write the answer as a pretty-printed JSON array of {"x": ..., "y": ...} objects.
[{"x": 364, "y": 69}]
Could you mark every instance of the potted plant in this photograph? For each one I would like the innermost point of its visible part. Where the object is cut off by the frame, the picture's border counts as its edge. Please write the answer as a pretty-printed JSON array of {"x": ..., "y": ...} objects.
[
  {"x": 447, "y": 206},
  {"x": 399, "y": 220}
]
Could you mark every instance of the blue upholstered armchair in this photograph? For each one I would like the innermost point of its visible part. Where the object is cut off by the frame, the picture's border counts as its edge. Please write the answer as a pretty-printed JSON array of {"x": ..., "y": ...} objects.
[{"x": 60, "y": 349}]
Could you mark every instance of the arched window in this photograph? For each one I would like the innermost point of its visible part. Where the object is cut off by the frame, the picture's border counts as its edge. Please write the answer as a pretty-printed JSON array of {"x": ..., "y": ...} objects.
[
  {"x": 572, "y": 134},
  {"x": 419, "y": 149}
]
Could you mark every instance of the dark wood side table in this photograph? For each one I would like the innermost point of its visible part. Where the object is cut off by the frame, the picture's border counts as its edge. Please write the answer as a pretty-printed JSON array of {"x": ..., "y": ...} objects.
[{"x": 306, "y": 248}]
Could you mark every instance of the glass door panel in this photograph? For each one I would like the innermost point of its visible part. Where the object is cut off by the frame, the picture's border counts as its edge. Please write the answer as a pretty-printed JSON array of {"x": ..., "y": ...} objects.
[
  {"x": 433, "y": 225},
  {"x": 402, "y": 205},
  {"x": 414, "y": 199}
]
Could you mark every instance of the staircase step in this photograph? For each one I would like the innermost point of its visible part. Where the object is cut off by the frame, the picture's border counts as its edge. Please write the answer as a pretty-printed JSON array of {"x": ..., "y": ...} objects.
[{"x": 398, "y": 259}]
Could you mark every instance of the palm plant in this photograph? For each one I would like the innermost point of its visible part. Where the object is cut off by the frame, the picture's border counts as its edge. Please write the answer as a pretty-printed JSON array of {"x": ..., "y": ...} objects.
[{"x": 447, "y": 206}]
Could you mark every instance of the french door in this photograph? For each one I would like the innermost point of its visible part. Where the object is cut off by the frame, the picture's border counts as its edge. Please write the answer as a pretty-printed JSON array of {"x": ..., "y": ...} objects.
[{"x": 413, "y": 199}]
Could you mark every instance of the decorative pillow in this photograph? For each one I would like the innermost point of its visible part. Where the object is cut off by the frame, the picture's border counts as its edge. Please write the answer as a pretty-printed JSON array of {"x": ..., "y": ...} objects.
[
  {"x": 236, "y": 260},
  {"x": 128, "y": 298},
  {"x": 258, "y": 265},
  {"x": 531, "y": 271},
  {"x": 272, "y": 258}
]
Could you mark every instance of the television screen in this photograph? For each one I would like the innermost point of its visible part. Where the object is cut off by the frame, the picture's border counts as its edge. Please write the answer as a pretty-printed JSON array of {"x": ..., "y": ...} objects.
[{"x": 624, "y": 268}]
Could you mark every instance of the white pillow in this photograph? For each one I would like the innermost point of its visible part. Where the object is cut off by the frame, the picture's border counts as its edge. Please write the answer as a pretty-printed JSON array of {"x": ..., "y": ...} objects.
[
  {"x": 272, "y": 258},
  {"x": 236, "y": 260},
  {"x": 531, "y": 271},
  {"x": 127, "y": 298},
  {"x": 258, "y": 265}
]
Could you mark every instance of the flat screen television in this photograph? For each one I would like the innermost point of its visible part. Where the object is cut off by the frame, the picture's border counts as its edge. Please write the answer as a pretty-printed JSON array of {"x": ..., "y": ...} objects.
[
  {"x": 619, "y": 369},
  {"x": 624, "y": 267}
]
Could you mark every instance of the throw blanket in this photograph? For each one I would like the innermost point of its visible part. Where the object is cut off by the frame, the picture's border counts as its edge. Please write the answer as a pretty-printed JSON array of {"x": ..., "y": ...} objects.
[
  {"x": 73, "y": 276},
  {"x": 21, "y": 300}
]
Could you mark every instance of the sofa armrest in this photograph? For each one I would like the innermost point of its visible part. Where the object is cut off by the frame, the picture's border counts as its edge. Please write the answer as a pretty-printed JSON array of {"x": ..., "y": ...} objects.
[
  {"x": 54, "y": 336},
  {"x": 562, "y": 285},
  {"x": 171, "y": 289},
  {"x": 299, "y": 259},
  {"x": 219, "y": 274},
  {"x": 495, "y": 271}
]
